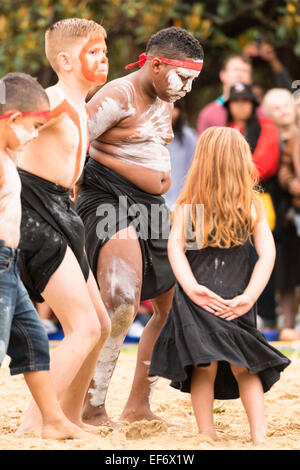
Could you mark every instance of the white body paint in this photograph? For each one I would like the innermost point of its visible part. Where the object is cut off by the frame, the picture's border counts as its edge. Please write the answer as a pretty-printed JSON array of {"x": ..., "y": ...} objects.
[
  {"x": 10, "y": 204},
  {"x": 124, "y": 278},
  {"x": 110, "y": 111},
  {"x": 104, "y": 370},
  {"x": 151, "y": 132},
  {"x": 123, "y": 282},
  {"x": 146, "y": 146}
]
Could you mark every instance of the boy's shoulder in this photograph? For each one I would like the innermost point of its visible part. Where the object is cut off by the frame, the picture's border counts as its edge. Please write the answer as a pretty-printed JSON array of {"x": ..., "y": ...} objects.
[
  {"x": 122, "y": 82},
  {"x": 55, "y": 95},
  {"x": 61, "y": 105},
  {"x": 120, "y": 89}
]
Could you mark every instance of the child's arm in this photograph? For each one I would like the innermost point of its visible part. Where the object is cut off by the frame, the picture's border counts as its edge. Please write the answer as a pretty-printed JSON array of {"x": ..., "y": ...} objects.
[
  {"x": 107, "y": 108},
  {"x": 266, "y": 251},
  {"x": 199, "y": 294}
]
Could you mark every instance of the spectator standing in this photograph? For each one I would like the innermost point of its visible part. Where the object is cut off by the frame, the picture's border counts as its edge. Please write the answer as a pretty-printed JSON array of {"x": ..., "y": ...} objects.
[
  {"x": 262, "y": 136},
  {"x": 238, "y": 68},
  {"x": 181, "y": 150},
  {"x": 279, "y": 105}
]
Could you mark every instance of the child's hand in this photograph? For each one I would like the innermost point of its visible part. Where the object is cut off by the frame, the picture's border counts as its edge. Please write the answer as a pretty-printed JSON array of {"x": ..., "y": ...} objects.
[
  {"x": 237, "y": 307},
  {"x": 207, "y": 299}
]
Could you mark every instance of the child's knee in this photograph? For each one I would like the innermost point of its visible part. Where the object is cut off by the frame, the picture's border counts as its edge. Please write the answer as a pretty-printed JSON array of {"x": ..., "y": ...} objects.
[
  {"x": 92, "y": 332},
  {"x": 122, "y": 318}
]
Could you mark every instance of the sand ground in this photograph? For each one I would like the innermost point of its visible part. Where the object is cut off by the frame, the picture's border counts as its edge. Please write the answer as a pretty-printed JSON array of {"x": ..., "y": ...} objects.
[{"x": 282, "y": 409}]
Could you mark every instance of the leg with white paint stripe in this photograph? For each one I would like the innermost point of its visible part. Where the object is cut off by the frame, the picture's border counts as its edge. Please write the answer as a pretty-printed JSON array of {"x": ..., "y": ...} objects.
[
  {"x": 139, "y": 401},
  {"x": 120, "y": 277}
]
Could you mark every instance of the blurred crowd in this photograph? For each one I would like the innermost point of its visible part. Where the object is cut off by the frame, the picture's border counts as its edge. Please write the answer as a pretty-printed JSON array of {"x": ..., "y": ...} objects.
[{"x": 270, "y": 121}]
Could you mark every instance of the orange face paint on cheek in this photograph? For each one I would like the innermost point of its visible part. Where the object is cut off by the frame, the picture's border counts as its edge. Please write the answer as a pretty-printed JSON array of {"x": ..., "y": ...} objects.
[{"x": 96, "y": 73}]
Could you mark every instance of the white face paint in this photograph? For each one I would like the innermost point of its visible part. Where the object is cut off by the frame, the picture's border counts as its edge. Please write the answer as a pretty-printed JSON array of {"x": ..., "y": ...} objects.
[
  {"x": 23, "y": 135},
  {"x": 176, "y": 77}
]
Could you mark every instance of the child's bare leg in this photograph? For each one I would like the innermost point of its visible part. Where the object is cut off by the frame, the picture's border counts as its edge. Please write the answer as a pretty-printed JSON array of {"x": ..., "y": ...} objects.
[
  {"x": 252, "y": 396},
  {"x": 202, "y": 395},
  {"x": 55, "y": 424},
  {"x": 139, "y": 401},
  {"x": 85, "y": 374},
  {"x": 120, "y": 276},
  {"x": 68, "y": 296}
]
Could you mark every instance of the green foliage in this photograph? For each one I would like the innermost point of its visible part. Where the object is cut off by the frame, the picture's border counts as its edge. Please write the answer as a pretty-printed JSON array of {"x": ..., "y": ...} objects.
[
  {"x": 219, "y": 409},
  {"x": 222, "y": 26}
]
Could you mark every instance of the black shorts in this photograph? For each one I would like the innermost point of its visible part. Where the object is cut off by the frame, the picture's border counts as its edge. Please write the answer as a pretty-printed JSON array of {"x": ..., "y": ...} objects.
[
  {"x": 108, "y": 203},
  {"x": 48, "y": 226}
]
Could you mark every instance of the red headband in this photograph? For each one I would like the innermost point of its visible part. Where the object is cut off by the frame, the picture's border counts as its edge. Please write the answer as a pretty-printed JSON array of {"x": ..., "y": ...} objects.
[
  {"x": 178, "y": 63},
  {"x": 45, "y": 114}
]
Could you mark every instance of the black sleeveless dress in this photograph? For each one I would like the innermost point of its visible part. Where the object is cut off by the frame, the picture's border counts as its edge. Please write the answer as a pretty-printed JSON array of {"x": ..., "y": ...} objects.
[{"x": 192, "y": 336}]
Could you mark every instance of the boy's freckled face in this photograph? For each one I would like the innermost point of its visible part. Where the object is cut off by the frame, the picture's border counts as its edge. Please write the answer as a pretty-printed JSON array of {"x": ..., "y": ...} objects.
[{"x": 94, "y": 63}]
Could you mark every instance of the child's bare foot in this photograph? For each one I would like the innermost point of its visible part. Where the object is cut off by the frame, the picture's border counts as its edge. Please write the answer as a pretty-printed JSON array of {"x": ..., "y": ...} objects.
[
  {"x": 213, "y": 436},
  {"x": 210, "y": 432},
  {"x": 259, "y": 440},
  {"x": 63, "y": 429},
  {"x": 28, "y": 429},
  {"x": 97, "y": 416}
]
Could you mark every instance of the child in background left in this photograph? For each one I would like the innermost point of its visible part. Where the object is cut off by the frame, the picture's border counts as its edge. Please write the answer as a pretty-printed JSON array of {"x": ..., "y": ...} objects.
[{"x": 22, "y": 335}]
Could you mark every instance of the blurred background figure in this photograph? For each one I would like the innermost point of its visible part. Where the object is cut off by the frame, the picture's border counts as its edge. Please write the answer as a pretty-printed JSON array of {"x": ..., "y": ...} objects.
[
  {"x": 261, "y": 49},
  {"x": 181, "y": 150},
  {"x": 259, "y": 92},
  {"x": 263, "y": 138},
  {"x": 238, "y": 68},
  {"x": 279, "y": 104}
]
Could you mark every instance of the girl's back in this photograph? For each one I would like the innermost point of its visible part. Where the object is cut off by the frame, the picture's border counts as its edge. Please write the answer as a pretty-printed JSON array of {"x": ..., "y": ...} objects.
[{"x": 226, "y": 271}]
